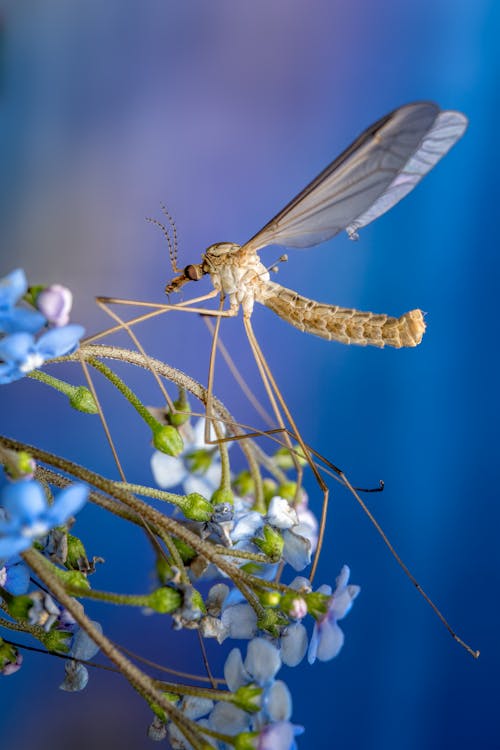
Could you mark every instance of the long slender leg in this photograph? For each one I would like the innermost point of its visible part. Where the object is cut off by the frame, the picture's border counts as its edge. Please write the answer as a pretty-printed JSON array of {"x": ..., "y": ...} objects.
[
  {"x": 211, "y": 371},
  {"x": 272, "y": 388},
  {"x": 158, "y": 309},
  {"x": 239, "y": 377}
]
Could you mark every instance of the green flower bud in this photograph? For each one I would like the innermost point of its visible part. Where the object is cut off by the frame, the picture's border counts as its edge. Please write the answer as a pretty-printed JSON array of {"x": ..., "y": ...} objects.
[
  {"x": 186, "y": 552},
  {"x": 270, "y": 598},
  {"x": 167, "y": 440},
  {"x": 81, "y": 399},
  {"x": 222, "y": 496},
  {"x": 272, "y": 621},
  {"x": 18, "y": 606},
  {"x": 18, "y": 464},
  {"x": 288, "y": 491},
  {"x": 272, "y": 543},
  {"x": 244, "y": 484},
  {"x": 10, "y": 659},
  {"x": 196, "y": 507},
  {"x": 182, "y": 405},
  {"x": 284, "y": 459},
  {"x": 317, "y": 604},
  {"x": 246, "y": 741},
  {"x": 164, "y": 600},
  {"x": 198, "y": 461},
  {"x": 248, "y": 697},
  {"x": 163, "y": 570},
  {"x": 159, "y": 711},
  {"x": 32, "y": 293},
  {"x": 73, "y": 579},
  {"x": 76, "y": 553},
  {"x": 197, "y": 600},
  {"x": 57, "y": 640},
  {"x": 270, "y": 488}
]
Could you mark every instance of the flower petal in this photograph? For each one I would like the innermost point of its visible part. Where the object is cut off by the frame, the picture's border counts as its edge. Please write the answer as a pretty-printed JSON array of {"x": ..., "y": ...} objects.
[
  {"x": 247, "y": 526},
  {"x": 326, "y": 641},
  {"x": 235, "y": 673},
  {"x": 83, "y": 647},
  {"x": 228, "y": 719},
  {"x": 59, "y": 341},
  {"x": 24, "y": 500},
  {"x": 18, "y": 319},
  {"x": 168, "y": 471},
  {"x": 281, "y": 514},
  {"x": 240, "y": 621},
  {"x": 12, "y": 287},
  {"x": 67, "y": 502},
  {"x": 18, "y": 579},
  {"x": 11, "y": 545},
  {"x": 293, "y": 644},
  {"x": 278, "y": 702},
  {"x": 296, "y": 549},
  {"x": 194, "y": 708},
  {"x": 76, "y": 679},
  {"x": 15, "y": 348},
  {"x": 263, "y": 660}
]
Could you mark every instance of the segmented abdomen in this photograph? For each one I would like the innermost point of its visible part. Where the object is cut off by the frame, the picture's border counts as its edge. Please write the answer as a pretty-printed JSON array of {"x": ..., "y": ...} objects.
[{"x": 340, "y": 323}]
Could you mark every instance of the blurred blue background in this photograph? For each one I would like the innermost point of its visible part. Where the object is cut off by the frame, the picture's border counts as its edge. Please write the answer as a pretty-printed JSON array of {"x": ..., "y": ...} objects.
[{"x": 224, "y": 111}]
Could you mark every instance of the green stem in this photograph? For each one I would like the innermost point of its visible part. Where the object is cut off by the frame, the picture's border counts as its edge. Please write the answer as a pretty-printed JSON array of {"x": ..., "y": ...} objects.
[
  {"x": 108, "y": 373},
  {"x": 145, "y": 491},
  {"x": 59, "y": 385}
]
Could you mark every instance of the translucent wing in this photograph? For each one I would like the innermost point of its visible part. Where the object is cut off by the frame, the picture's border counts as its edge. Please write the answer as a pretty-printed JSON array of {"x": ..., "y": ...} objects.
[{"x": 367, "y": 179}]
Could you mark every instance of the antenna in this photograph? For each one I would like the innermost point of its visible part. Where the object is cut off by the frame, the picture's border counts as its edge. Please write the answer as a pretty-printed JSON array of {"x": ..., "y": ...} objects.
[{"x": 171, "y": 241}]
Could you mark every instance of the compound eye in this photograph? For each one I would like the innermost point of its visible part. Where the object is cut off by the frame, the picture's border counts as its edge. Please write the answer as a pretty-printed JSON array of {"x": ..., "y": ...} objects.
[{"x": 192, "y": 273}]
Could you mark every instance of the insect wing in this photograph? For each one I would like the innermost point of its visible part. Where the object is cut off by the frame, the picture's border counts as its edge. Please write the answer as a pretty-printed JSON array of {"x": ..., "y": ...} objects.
[
  {"x": 357, "y": 185},
  {"x": 447, "y": 129}
]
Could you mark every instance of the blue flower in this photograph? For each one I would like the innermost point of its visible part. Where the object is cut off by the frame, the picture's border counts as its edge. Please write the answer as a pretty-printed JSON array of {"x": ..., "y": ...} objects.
[
  {"x": 84, "y": 648},
  {"x": 260, "y": 667},
  {"x": 327, "y": 638},
  {"x": 28, "y": 514},
  {"x": 14, "y": 576},
  {"x": 14, "y": 319},
  {"x": 20, "y": 352}
]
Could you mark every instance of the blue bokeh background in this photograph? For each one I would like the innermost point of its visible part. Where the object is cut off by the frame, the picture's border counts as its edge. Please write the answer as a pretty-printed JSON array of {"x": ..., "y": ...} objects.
[{"x": 224, "y": 111}]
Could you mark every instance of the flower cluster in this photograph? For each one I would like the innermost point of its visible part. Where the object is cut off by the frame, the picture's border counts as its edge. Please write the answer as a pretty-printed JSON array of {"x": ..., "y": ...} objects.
[{"x": 20, "y": 351}]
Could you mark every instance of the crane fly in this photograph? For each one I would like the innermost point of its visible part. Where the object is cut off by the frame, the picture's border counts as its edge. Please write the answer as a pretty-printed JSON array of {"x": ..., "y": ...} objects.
[{"x": 373, "y": 174}]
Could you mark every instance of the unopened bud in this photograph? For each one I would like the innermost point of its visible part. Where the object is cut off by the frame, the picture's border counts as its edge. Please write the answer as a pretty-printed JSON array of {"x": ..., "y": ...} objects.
[
  {"x": 167, "y": 440},
  {"x": 294, "y": 605},
  {"x": 82, "y": 399},
  {"x": 272, "y": 543},
  {"x": 248, "y": 697},
  {"x": 222, "y": 497},
  {"x": 182, "y": 410},
  {"x": 244, "y": 484},
  {"x": 55, "y": 302},
  {"x": 165, "y": 600},
  {"x": 196, "y": 507},
  {"x": 270, "y": 598},
  {"x": 272, "y": 621},
  {"x": 317, "y": 604}
]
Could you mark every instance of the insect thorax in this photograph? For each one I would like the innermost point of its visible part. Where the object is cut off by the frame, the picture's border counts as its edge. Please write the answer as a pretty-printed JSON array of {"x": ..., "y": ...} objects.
[{"x": 235, "y": 274}]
